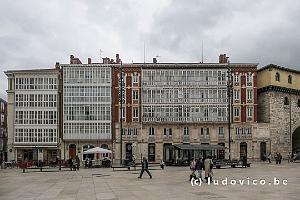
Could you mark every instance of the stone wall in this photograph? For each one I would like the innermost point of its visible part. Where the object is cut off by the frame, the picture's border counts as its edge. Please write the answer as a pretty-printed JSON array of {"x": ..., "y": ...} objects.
[
  {"x": 280, "y": 133},
  {"x": 263, "y": 107}
]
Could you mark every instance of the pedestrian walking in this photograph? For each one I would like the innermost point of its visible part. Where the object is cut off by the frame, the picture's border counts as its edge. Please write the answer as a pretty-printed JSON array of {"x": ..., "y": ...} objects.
[
  {"x": 145, "y": 168},
  {"x": 199, "y": 167},
  {"x": 244, "y": 161},
  {"x": 162, "y": 164},
  {"x": 208, "y": 165},
  {"x": 276, "y": 158},
  {"x": 193, "y": 169},
  {"x": 269, "y": 157},
  {"x": 77, "y": 162},
  {"x": 294, "y": 156},
  {"x": 70, "y": 164},
  {"x": 279, "y": 158}
]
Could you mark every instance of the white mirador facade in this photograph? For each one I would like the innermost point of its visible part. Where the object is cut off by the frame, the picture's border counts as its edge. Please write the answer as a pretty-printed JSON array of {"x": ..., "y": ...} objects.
[
  {"x": 33, "y": 120},
  {"x": 184, "y": 95},
  {"x": 86, "y": 107}
]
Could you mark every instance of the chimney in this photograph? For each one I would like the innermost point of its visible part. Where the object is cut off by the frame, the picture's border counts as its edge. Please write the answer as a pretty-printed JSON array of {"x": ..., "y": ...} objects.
[
  {"x": 154, "y": 60},
  {"x": 222, "y": 58},
  {"x": 106, "y": 60},
  {"x": 57, "y": 65},
  {"x": 117, "y": 58},
  {"x": 71, "y": 59},
  {"x": 89, "y": 61}
]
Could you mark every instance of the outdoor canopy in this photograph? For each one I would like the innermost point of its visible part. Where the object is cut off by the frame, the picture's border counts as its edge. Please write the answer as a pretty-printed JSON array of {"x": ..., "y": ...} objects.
[{"x": 97, "y": 150}]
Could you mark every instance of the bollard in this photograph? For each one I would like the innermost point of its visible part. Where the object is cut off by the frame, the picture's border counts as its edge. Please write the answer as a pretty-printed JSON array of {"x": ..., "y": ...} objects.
[{"x": 23, "y": 170}]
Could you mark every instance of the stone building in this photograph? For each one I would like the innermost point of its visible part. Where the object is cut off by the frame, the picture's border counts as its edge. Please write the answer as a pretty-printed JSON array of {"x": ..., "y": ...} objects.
[
  {"x": 33, "y": 119},
  {"x": 3, "y": 130},
  {"x": 279, "y": 106}
]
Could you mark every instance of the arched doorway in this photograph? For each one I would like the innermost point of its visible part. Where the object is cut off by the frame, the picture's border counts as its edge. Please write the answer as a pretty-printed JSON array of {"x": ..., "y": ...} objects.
[
  {"x": 263, "y": 151},
  {"x": 104, "y": 146},
  {"x": 72, "y": 150},
  {"x": 296, "y": 142},
  {"x": 243, "y": 150}
]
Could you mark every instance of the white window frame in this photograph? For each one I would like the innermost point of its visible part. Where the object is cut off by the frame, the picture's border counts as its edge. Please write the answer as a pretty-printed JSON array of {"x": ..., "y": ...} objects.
[
  {"x": 236, "y": 94},
  {"x": 249, "y": 94},
  {"x": 151, "y": 131},
  {"x": 235, "y": 109},
  {"x": 186, "y": 130},
  {"x": 236, "y": 78},
  {"x": 135, "y": 95},
  {"x": 135, "y": 115},
  {"x": 249, "y": 111},
  {"x": 135, "y": 78}
]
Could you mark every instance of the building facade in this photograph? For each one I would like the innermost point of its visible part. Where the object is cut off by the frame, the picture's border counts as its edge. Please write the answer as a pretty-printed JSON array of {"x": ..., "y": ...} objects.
[
  {"x": 3, "y": 130},
  {"x": 244, "y": 111},
  {"x": 131, "y": 111},
  {"x": 33, "y": 132},
  {"x": 279, "y": 106},
  {"x": 86, "y": 107}
]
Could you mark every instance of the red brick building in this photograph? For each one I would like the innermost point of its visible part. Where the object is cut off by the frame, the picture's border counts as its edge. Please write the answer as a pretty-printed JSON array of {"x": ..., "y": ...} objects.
[{"x": 131, "y": 119}]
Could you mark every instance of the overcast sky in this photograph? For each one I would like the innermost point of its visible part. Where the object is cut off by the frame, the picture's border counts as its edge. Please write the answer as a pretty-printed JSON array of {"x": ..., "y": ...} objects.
[{"x": 36, "y": 34}]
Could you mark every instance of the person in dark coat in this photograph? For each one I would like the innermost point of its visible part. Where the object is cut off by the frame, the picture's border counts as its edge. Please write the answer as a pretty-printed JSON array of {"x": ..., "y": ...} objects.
[
  {"x": 245, "y": 161},
  {"x": 199, "y": 167},
  {"x": 70, "y": 163},
  {"x": 145, "y": 168},
  {"x": 279, "y": 158},
  {"x": 77, "y": 162}
]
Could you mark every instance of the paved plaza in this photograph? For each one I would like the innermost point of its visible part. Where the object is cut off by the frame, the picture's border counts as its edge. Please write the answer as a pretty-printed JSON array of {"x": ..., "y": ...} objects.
[{"x": 171, "y": 183}]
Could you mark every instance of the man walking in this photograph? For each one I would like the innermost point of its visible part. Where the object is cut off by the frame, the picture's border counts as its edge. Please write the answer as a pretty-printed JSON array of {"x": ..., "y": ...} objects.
[
  {"x": 208, "y": 165},
  {"x": 145, "y": 168},
  {"x": 199, "y": 167},
  {"x": 269, "y": 157}
]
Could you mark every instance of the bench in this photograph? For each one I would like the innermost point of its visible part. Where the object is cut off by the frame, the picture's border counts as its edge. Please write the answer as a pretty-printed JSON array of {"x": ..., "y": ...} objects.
[
  {"x": 121, "y": 167},
  {"x": 239, "y": 164}
]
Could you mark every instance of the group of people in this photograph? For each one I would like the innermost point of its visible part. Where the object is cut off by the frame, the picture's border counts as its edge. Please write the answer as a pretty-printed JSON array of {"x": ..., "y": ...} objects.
[
  {"x": 74, "y": 163},
  {"x": 197, "y": 165},
  {"x": 292, "y": 157},
  {"x": 278, "y": 158}
]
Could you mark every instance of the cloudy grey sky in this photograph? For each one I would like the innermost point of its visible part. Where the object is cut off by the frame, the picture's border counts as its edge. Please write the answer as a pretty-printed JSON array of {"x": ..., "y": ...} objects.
[{"x": 36, "y": 34}]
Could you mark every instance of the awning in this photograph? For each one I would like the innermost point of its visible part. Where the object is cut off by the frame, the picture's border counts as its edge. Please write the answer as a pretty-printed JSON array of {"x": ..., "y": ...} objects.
[{"x": 199, "y": 147}]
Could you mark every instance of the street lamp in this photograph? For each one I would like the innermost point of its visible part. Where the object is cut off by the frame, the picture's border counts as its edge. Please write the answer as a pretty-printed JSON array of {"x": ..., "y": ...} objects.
[
  {"x": 121, "y": 110},
  {"x": 291, "y": 134},
  {"x": 229, "y": 91}
]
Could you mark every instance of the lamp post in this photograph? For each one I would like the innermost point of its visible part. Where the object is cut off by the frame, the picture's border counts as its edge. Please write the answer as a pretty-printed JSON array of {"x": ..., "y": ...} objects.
[
  {"x": 121, "y": 110},
  {"x": 291, "y": 134},
  {"x": 229, "y": 82}
]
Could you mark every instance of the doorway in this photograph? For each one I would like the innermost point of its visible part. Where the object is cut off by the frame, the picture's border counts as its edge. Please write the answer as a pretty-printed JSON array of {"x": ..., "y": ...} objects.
[
  {"x": 151, "y": 152},
  {"x": 129, "y": 152},
  {"x": 72, "y": 150},
  {"x": 263, "y": 151}
]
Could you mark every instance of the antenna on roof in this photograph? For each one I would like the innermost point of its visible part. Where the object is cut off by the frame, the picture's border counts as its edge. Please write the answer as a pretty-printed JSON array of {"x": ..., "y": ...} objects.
[
  {"x": 144, "y": 51},
  {"x": 101, "y": 55},
  {"x": 202, "y": 52}
]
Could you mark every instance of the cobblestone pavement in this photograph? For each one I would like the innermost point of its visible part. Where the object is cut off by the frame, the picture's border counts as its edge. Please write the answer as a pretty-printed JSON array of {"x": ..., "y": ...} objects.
[{"x": 171, "y": 183}]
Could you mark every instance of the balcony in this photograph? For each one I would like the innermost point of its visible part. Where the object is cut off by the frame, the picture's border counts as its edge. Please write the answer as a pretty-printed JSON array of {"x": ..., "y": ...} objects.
[
  {"x": 243, "y": 136},
  {"x": 186, "y": 139},
  {"x": 167, "y": 137},
  {"x": 151, "y": 138}
]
